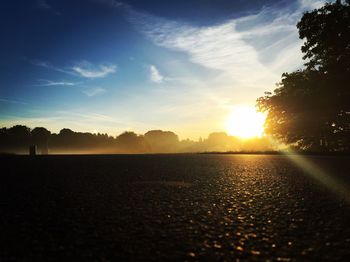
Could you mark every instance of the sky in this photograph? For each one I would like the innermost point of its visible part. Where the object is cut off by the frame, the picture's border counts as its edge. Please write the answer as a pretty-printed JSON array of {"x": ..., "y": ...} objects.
[{"x": 109, "y": 66}]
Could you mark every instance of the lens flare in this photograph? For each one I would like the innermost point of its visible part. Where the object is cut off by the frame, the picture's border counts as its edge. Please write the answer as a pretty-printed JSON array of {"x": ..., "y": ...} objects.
[
  {"x": 318, "y": 174},
  {"x": 321, "y": 176}
]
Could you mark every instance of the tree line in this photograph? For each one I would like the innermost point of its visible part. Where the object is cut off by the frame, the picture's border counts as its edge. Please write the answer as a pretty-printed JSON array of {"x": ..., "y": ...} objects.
[{"x": 17, "y": 139}]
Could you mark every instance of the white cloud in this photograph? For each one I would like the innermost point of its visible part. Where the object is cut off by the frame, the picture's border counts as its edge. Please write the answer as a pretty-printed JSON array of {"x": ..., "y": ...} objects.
[
  {"x": 155, "y": 75},
  {"x": 83, "y": 69},
  {"x": 88, "y": 70},
  {"x": 226, "y": 48},
  {"x": 41, "y": 63},
  {"x": 311, "y": 4},
  {"x": 251, "y": 51},
  {"x": 44, "y": 82},
  {"x": 48, "y": 65},
  {"x": 94, "y": 91}
]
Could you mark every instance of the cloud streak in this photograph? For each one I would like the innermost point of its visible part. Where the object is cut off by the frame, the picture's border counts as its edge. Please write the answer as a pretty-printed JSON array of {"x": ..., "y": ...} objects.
[
  {"x": 88, "y": 70},
  {"x": 48, "y": 65},
  {"x": 91, "y": 116},
  {"x": 83, "y": 69},
  {"x": 44, "y": 82},
  {"x": 94, "y": 91}
]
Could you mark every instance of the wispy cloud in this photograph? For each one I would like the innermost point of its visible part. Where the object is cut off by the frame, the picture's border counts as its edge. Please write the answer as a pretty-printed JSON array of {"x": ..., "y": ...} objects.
[
  {"x": 48, "y": 65},
  {"x": 88, "y": 70},
  {"x": 41, "y": 63},
  {"x": 155, "y": 75},
  {"x": 44, "y": 82},
  {"x": 89, "y": 116},
  {"x": 221, "y": 47},
  {"x": 94, "y": 91},
  {"x": 311, "y": 4},
  {"x": 83, "y": 69},
  {"x": 251, "y": 50}
]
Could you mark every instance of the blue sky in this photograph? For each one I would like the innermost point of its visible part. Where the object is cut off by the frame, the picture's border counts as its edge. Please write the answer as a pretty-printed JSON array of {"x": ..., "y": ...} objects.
[{"x": 110, "y": 66}]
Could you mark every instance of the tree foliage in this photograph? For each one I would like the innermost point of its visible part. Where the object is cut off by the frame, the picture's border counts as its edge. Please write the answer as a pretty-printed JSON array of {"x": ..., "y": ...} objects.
[
  {"x": 310, "y": 108},
  {"x": 327, "y": 34},
  {"x": 162, "y": 141}
]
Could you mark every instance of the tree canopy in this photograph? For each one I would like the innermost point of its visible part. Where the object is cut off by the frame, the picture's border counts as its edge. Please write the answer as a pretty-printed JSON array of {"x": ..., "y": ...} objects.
[{"x": 310, "y": 108}]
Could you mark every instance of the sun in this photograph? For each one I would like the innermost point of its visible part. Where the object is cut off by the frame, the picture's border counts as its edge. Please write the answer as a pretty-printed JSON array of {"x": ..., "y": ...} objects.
[{"x": 245, "y": 122}]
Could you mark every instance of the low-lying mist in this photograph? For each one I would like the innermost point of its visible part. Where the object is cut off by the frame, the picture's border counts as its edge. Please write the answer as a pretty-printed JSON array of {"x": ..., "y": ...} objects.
[{"x": 17, "y": 140}]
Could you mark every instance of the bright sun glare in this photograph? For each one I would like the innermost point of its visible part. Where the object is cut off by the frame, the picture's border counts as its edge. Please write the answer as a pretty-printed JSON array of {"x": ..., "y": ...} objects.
[{"x": 245, "y": 122}]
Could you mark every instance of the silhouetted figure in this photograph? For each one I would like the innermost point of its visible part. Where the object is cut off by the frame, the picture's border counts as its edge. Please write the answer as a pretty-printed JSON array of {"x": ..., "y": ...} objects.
[{"x": 32, "y": 150}]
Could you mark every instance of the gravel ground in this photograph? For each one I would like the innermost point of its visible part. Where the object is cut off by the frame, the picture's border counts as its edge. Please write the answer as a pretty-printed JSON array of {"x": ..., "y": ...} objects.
[{"x": 171, "y": 207}]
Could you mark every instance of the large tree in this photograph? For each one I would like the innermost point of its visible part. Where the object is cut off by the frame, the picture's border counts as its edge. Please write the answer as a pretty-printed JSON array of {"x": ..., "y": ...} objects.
[
  {"x": 311, "y": 107},
  {"x": 40, "y": 137}
]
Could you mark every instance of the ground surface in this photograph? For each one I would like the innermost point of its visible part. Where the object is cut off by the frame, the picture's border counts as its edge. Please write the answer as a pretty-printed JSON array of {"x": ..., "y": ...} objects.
[{"x": 171, "y": 207}]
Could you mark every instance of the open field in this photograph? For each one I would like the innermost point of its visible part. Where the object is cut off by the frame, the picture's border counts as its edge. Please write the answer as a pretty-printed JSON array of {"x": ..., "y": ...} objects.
[{"x": 172, "y": 207}]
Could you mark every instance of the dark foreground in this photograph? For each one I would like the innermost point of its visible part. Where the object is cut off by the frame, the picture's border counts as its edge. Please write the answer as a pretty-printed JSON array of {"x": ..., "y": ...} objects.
[{"x": 171, "y": 207}]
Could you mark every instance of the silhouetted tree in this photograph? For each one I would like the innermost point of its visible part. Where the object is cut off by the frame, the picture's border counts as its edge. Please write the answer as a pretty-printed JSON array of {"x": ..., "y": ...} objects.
[
  {"x": 66, "y": 132},
  {"x": 19, "y": 136},
  {"x": 4, "y": 137},
  {"x": 327, "y": 32},
  {"x": 162, "y": 141},
  {"x": 311, "y": 107},
  {"x": 129, "y": 142},
  {"x": 40, "y": 137}
]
